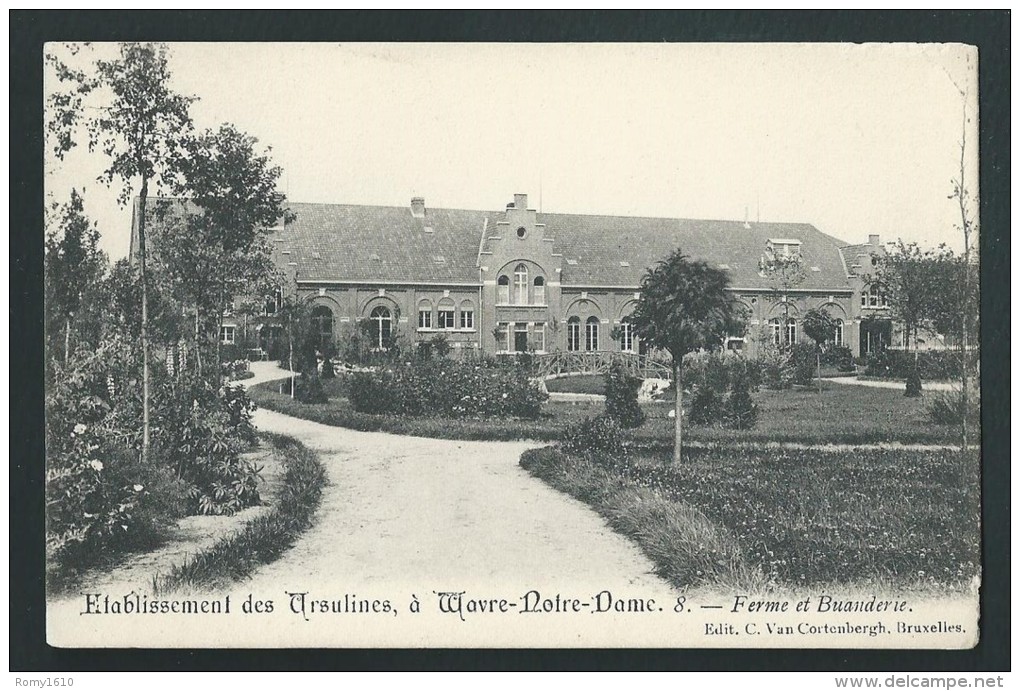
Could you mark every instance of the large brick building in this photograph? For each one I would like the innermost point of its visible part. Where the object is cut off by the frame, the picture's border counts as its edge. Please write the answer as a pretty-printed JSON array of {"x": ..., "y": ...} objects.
[{"x": 514, "y": 280}]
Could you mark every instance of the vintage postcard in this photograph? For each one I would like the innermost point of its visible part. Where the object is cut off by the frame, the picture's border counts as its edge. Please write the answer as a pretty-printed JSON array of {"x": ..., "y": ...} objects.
[{"x": 512, "y": 345}]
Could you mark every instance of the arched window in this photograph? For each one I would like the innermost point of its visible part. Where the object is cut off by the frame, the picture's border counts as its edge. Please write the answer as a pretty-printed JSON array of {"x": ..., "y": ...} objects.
[
  {"x": 503, "y": 290},
  {"x": 424, "y": 314},
  {"x": 837, "y": 337},
  {"x": 626, "y": 335},
  {"x": 791, "y": 331},
  {"x": 591, "y": 334},
  {"x": 521, "y": 285},
  {"x": 381, "y": 326},
  {"x": 446, "y": 315},
  {"x": 322, "y": 327},
  {"x": 539, "y": 290},
  {"x": 777, "y": 334},
  {"x": 574, "y": 333}
]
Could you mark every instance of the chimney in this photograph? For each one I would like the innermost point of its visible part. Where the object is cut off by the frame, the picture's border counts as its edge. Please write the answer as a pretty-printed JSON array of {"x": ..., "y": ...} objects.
[
  {"x": 418, "y": 207},
  {"x": 520, "y": 201},
  {"x": 873, "y": 240}
]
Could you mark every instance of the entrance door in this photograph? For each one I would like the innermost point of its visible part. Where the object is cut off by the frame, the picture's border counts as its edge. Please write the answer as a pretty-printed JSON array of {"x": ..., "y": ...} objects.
[{"x": 521, "y": 338}]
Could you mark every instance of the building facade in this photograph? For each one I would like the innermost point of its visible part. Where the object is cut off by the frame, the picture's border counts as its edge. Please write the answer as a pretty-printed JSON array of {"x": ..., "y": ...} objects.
[{"x": 516, "y": 280}]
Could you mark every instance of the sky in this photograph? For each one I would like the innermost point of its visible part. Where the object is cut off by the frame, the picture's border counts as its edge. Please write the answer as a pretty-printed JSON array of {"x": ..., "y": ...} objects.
[{"x": 854, "y": 139}]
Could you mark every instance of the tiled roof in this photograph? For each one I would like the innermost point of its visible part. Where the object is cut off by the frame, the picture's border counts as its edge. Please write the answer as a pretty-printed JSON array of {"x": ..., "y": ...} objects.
[
  {"x": 340, "y": 242},
  {"x": 600, "y": 243}
]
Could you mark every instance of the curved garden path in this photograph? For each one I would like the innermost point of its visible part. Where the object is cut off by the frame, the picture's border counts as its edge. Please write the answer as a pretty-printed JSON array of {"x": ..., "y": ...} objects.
[{"x": 445, "y": 514}]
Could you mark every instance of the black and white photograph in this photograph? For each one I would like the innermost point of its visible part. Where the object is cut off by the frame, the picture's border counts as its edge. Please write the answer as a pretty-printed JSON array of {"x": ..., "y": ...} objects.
[{"x": 512, "y": 345}]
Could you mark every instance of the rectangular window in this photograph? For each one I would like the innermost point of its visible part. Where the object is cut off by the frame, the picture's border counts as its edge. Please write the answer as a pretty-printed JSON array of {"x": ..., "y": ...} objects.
[
  {"x": 227, "y": 335},
  {"x": 424, "y": 319},
  {"x": 627, "y": 337},
  {"x": 503, "y": 291},
  {"x": 573, "y": 335},
  {"x": 539, "y": 292},
  {"x": 446, "y": 320},
  {"x": 467, "y": 319},
  {"x": 591, "y": 333},
  {"x": 540, "y": 337}
]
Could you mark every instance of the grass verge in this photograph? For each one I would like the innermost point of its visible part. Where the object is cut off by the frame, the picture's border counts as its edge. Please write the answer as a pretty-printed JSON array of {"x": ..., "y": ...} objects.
[
  {"x": 582, "y": 383},
  {"x": 792, "y": 518},
  {"x": 264, "y": 539},
  {"x": 685, "y": 546}
]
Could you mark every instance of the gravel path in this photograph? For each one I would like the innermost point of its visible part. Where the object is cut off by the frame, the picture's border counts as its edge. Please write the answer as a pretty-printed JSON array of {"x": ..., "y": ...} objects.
[
  {"x": 877, "y": 384},
  {"x": 445, "y": 514}
]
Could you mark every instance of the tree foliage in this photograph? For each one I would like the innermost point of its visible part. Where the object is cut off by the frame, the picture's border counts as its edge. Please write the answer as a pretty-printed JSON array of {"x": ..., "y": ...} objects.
[
  {"x": 74, "y": 269},
  {"x": 684, "y": 306},
  {"x": 819, "y": 326}
]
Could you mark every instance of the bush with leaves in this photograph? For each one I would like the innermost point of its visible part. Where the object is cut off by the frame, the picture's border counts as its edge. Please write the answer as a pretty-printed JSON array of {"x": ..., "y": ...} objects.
[
  {"x": 946, "y": 408},
  {"x": 840, "y": 357},
  {"x": 309, "y": 389},
  {"x": 203, "y": 432},
  {"x": 719, "y": 369},
  {"x": 913, "y": 384},
  {"x": 706, "y": 406},
  {"x": 776, "y": 365},
  {"x": 804, "y": 358},
  {"x": 443, "y": 387},
  {"x": 595, "y": 437},
  {"x": 740, "y": 411},
  {"x": 100, "y": 498},
  {"x": 622, "y": 397}
]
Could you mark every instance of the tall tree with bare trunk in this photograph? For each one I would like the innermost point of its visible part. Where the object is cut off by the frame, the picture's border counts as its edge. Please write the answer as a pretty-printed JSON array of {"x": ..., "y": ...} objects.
[{"x": 130, "y": 112}]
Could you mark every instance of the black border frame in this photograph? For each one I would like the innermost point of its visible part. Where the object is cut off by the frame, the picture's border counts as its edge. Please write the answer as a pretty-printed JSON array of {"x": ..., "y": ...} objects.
[{"x": 29, "y": 30}]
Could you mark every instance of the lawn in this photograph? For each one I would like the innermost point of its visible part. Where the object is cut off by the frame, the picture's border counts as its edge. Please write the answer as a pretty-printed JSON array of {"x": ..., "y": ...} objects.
[
  {"x": 840, "y": 414},
  {"x": 582, "y": 383},
  {"x": 756, "y": 518}
]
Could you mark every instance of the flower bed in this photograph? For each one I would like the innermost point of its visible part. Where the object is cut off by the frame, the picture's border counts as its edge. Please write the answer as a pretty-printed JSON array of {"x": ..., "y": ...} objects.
[{"x": 446, "y": 388}]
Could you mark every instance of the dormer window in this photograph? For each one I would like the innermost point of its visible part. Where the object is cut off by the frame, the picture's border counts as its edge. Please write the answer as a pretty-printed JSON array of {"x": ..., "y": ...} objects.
[{"x": 783, "y": 247}]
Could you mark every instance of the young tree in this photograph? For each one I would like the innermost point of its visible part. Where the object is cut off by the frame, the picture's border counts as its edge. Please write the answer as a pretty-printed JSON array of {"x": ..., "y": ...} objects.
[
  {"x": 819, "y": 326},
  {"x": 221, "y": 249},
  {"x": 684, "y": 306},
  {"x": 74, "y": 268},
  {"x": 785, "y": 272},
  {"x": 907, "y": 277},
  {"x": 139, "y": 125}
]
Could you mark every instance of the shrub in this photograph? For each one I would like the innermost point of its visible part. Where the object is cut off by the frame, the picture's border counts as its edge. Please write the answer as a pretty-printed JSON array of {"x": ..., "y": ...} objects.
[
  {"x": 600, "y": 436},
  {"x": 946, "y": 408},
  {"x": 441, "y": 346},
  {"x": 741, "y": 412},
  {"x": 706, "y": 406},
  {"x": 776, "y": 365},
  {"x": 447, "y": 388},
  {"x": 327, "y": 371},
  {"x": 718, "y": 370},
  {"x": 840, "y": 357},
  {"x": 804, "y": 358},
  {"x": 931, "y": 364},
  {"x": 309, "y": 389},
  {"x": 424, "y": 350},
  {"x": 621, "y": 397},
  {"x": 913, "y": 384}
]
